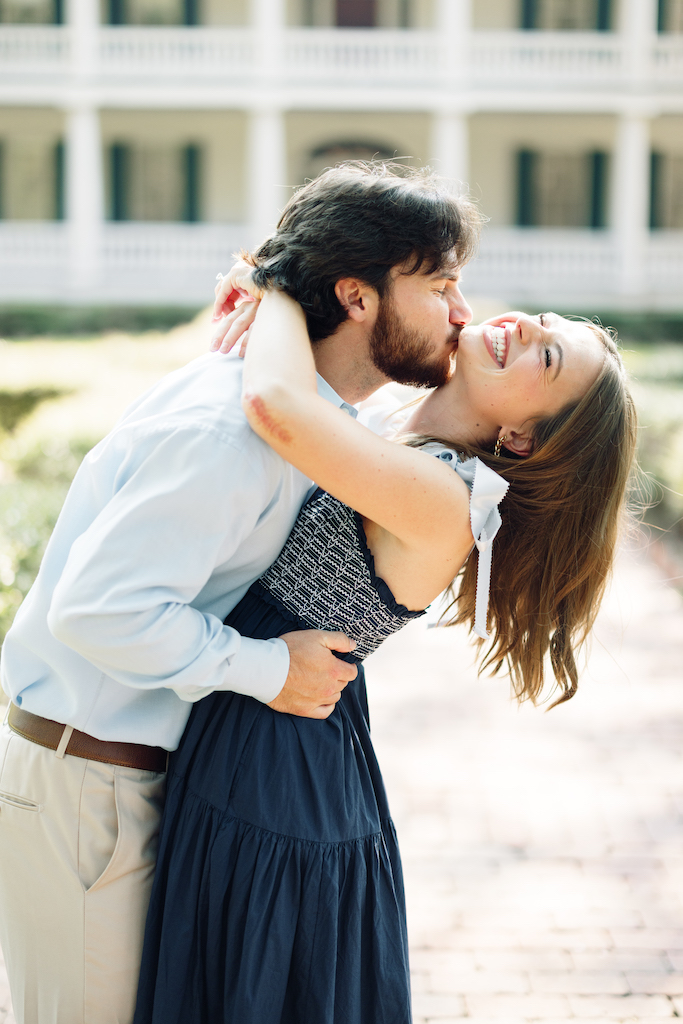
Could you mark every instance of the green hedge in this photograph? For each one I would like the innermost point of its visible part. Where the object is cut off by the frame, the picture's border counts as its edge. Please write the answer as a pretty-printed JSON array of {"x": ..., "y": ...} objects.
[{"x": 80, "y": 321}]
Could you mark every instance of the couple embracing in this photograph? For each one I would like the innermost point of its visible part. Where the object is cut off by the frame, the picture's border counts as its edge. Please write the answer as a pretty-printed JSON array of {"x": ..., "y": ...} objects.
[{"x": 194, "y": 641}]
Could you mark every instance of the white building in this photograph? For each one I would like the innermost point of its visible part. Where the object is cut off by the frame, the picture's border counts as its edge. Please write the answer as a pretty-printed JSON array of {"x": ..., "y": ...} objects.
[{"x": 144, "y": 141}]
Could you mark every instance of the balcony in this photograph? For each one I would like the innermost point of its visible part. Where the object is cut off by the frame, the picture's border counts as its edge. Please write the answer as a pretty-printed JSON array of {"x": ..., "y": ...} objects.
[
  {"x": 331, "y": 58},
  {"x": 178, "y": 263},
  {"x": 145, "y": 263}
]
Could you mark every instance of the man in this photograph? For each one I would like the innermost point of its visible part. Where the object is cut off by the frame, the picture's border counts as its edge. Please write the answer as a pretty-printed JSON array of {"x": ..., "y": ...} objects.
[{"x": 168, "y": 522}]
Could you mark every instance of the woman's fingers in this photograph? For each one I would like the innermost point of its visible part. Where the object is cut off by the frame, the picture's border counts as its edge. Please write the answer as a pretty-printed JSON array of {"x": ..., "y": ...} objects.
[
  {"x": 237, "y": 283},
  {"x": 232, "y": 327}
]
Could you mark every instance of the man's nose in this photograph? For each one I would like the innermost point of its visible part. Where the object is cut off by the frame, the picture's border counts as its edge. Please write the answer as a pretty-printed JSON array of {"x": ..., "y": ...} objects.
[{"x": 460, "y": 311}]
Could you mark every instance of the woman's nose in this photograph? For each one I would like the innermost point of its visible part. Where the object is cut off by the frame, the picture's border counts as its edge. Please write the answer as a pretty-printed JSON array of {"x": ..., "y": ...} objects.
[{"x": 525, "y": 328}]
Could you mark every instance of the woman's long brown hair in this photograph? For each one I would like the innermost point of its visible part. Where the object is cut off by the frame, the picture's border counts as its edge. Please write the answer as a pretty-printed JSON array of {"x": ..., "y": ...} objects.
[{"x": 554, "y": 552}]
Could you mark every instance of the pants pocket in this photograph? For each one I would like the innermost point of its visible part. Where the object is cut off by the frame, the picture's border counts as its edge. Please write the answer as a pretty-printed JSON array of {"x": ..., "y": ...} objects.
[
  {"x": 98, "y": 827},
  {"x": 19, "y": 801}
]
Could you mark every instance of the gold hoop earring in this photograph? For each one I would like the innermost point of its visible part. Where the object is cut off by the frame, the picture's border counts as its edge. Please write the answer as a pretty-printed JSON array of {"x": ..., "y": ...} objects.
[{"x": 499, "y": 445}]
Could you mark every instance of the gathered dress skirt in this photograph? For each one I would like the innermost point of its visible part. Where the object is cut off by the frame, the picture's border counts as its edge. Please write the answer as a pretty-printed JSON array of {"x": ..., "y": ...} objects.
[{"x": 278, "y": 896}]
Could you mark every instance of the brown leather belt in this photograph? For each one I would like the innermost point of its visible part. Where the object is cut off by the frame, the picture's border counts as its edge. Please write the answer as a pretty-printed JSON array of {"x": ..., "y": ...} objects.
[{"x": 47, "y": 733}]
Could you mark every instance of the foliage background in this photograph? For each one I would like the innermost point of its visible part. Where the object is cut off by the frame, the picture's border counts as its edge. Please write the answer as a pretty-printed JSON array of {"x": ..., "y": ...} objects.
[{"x": 58, "y": 397}]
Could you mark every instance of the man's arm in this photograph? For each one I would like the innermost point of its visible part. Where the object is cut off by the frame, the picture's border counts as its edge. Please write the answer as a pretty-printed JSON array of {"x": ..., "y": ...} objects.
[{"x": 123, "y": 600}]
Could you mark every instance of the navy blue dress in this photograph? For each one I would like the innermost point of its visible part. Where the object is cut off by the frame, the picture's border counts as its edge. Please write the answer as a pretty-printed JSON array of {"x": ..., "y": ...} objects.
[{"x": 278, "y": 895}]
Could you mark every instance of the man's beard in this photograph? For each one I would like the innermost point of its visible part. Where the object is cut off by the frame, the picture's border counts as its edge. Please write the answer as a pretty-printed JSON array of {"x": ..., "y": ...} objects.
[{"x": 404, "y": 354}]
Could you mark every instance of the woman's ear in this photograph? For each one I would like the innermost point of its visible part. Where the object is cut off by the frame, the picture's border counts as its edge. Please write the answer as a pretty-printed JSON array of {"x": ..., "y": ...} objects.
[
  {"x": 519, "y": 442},
  {"x": 358, "y": 298}
]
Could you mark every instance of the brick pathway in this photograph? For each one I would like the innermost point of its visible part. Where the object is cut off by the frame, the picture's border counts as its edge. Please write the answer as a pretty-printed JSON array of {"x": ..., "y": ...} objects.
[{"x": 543, "y": 852}]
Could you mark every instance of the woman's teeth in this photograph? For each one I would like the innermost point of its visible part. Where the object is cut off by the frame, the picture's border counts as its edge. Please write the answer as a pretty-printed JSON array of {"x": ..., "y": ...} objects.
[{"x": 498, "y": 344}]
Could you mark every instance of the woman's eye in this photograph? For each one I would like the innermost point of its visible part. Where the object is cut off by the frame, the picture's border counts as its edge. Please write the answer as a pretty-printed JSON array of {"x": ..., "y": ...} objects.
[
  {"x": 541, "y": 319},
  {"x": 548, "y": 358}
]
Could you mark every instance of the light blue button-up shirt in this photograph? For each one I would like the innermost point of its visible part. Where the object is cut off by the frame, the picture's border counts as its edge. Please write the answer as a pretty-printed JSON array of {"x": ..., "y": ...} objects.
[{"x": 168, "y": 522}]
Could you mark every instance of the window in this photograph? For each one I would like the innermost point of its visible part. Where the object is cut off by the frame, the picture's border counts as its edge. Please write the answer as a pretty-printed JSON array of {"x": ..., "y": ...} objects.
[
  {"x": 666, "y": 191},
  {"x": 566, "y": 15},
  {"x": 562, "y": 190},
  {"x": 153, "y": 12},
  {"x": 335, "y": 152},
  {"x": 670, "y": 16},
  {"x": 154, "y": 183},
  {"x": 356, "y": 13},
  {"x": 31, "y": 179},
  {"x": 32, "y": 12}
]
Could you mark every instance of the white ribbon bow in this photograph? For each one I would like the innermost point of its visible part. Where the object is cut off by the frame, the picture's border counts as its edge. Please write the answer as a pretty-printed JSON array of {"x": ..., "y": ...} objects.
[{"x": 487, "y": 489}]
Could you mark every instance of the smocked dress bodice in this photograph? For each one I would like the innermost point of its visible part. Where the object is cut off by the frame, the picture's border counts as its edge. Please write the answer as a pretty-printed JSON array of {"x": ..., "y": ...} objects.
[{"x": 325, "y": 578}]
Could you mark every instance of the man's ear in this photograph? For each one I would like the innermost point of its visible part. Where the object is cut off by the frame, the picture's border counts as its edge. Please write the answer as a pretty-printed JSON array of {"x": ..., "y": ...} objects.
[
  {"x": 518, "y": 441},
  {"x": 358, "y": 298}
]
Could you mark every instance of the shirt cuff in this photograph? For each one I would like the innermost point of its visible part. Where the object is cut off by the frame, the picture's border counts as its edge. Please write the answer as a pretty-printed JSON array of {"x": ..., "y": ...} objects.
[{"x": 258, "y": 668}]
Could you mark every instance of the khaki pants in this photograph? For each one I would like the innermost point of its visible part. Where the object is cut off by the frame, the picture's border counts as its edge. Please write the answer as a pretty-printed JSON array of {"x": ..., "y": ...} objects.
[{"x": 77, "y": 852}]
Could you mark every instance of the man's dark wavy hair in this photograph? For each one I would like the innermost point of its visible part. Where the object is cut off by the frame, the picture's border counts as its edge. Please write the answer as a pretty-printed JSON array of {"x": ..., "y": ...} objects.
[{"x": 360, "y": 219}]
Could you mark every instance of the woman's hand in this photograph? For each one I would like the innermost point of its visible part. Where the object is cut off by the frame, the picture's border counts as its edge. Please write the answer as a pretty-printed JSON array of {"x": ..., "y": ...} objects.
[
  {"x": 235, "y": 327},
  {"x": 234, "y": 308}
]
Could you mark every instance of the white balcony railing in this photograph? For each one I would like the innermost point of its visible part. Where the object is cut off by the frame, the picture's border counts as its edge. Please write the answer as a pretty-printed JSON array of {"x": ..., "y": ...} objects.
[
  {"x": 356, "y": 57},
  {"x": 329, "y": 57},
  {"x": 529, "y": 264},
  {"x": 178, "y": 263},
  {"x": 174, "y": 263},
  {"x": 508, "y": 59},
  {"x": 38, "y": 49},
  {"x": 212, "y": 53}
]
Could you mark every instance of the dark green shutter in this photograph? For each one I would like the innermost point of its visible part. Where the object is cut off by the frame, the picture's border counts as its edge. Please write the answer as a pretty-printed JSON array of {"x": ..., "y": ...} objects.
[
  {"x": 526, "y": 165},
  {"x": 656, "y": 219},
  {"x": 59, "y": 180},
  {"x": 603, "y": 16},
  {"x": 662, "y": 12},
  {"x": 191, "y": 12},
  {"x": 528, "y": 14},
  {"x": 598, "y": 187},
  {"x": 119, "y": 162},
  {"x": 117, "y": 12},
  {"x": 58, "y": 12},
  {"x": 192, "y": 167}
]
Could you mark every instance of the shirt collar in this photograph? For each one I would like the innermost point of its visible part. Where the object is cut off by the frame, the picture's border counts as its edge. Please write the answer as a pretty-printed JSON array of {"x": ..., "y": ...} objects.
[{"x": 327, "y": 392}]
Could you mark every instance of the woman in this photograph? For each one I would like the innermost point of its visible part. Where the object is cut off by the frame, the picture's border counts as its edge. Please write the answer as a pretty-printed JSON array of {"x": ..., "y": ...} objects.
[{"x": 278, "y": 896}]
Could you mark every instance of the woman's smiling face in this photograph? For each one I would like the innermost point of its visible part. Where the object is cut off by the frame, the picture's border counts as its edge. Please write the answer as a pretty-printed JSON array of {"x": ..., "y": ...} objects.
[{"x": 517, "y": 369}]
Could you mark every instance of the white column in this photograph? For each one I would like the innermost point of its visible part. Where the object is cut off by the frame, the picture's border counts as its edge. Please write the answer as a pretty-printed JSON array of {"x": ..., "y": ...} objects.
[
  {"x": 84, "y": 186},
  {"x": 453, "y": 17},
  {"x": 450, "y": 133},
  {"x": 268, "y": 21},
  {"x": 84, "y": 196},
  {"x": 83, "y": 20},
  {"x": 267, "y": 162},
  {"x": 454, "y": 25},
  {"x": 450, "y": 146},
  {"x": 267, "y": 171},
  {"x": 638, "y": 30},
  {"x": 631, "y": 200}
]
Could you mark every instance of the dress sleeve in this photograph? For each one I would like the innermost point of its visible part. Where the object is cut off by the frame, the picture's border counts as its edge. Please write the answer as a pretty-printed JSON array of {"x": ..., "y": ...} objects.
[{"x": 487, "y": 490}]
